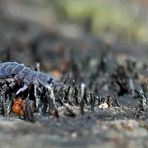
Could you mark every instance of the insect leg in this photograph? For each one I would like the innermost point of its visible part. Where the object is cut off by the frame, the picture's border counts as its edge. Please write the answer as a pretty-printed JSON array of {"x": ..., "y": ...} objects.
[{"x": 22, "y": 89}]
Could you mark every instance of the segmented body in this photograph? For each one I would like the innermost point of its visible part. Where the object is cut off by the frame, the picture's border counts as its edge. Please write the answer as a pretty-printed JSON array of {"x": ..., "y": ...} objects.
[{"x": 21, "y": 72}]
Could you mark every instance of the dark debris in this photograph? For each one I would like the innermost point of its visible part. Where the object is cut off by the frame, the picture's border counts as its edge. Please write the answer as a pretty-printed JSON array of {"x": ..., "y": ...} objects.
[{"x": 88, "y": 87}]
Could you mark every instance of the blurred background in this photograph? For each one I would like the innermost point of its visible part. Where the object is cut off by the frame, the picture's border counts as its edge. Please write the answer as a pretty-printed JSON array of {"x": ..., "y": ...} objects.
[
  {"x": 107, "y": 19},
  {"x": 35, "y": 27}
]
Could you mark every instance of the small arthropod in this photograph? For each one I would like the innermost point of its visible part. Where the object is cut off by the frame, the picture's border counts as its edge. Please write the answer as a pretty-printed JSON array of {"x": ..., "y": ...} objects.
[{"x": 22, "y": 73}]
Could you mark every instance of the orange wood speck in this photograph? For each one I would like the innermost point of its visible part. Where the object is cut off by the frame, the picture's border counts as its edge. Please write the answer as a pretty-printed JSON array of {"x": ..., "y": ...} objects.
[{"x": 18, "y": 106}]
